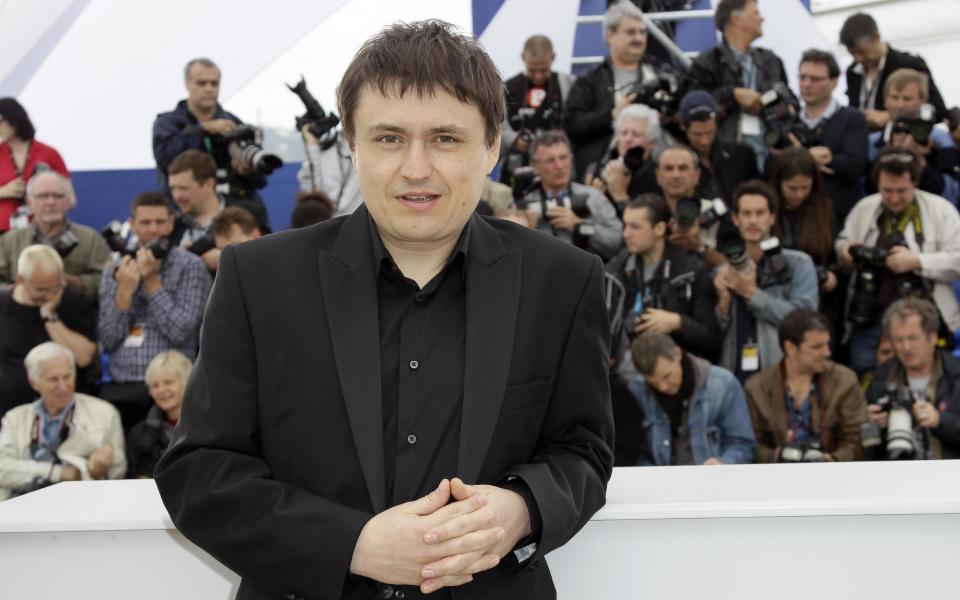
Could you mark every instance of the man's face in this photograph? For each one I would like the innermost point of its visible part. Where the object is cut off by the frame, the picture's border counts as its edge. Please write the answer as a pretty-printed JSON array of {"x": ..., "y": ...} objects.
[
  {"x": 48, "y": 201},
  {"x": 753, "y": 218},
  {"x": 235, "y": 235},
  {"x": 203, "y": 86},
  {"x": 638, "y": 234},
  {"x": 795, "y": 190},
  {"x": 632, "y": 134},
  {"x": 868, "y": 52},
  {"x": 628, "y": 42},
  {"x": 896, "y": 191},
  {"x": 553, "y": 164},
  {"x": 421, "y": 162},
  {"x": 190, "y": 195},
  {"x": 42, "y": 285},
  {"x": 151, "y": 222},
  {"x": 905, "y": 101},
  {"x": 667, "y": 376},
  {"x": 914, "y": 349},
  {"x": 813, "y": 354},
  {"x": 55, "y": 383},
  {"x": 677, "y": 174},
  {"x": 166, "y": 389},
  {"x": 701, "y": 135},
  {"x": 816, "y": 87},
  {"x": 751, "y": 21},
  {"x": 537, "y": 70}
]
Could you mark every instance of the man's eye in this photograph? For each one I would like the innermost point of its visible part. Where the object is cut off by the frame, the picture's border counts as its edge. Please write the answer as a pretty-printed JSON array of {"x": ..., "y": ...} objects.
[
  {"x": 447, "y": 139},
  {"x": 388, "y": 139}
]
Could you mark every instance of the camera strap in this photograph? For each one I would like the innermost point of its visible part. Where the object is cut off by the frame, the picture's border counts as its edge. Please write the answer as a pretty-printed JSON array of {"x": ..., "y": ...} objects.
[
  {"x": 65, "y": 427},
  {"x": 910, "y": 215}
]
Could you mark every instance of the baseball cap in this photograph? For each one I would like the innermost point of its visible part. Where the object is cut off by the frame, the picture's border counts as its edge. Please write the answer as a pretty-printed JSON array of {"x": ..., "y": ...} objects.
[{"x": 697, "y": 105}]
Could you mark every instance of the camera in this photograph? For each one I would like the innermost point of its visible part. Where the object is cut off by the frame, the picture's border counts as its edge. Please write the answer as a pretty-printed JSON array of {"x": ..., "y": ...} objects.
[
  {"x": 780, "y": 116},
  {"x": 660, "y": 94},
  {"x": 870, "y": 263},
  {"x": 774, "y": 269},
  {"x": 735, "y": 251},
  {"x": 901, "y": 443},
  {"x": 117, "y": 238},
  {"x": 953, "y": 118},
  {"x": 918, "y": 126},
  {"x": 37, "y": 483},
  {"x": 244, "y": 143},
  {"x": 688, "y": 213},
  {"x": 318, "y": 121},
  {"x": 797, "y": 453},
  {"x": 523, "y": 180},
  {"x": 65, "y": 243},
  {"x": 713, "y": 214}
]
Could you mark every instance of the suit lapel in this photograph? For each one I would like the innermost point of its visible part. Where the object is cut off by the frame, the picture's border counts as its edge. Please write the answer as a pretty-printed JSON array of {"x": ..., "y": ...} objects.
[
  {"x": 348, "y": 282},
  {"x": 493, "y": 296}
]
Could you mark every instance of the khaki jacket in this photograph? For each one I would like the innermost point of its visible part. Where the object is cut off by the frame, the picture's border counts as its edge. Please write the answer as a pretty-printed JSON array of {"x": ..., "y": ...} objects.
[{"x": 838, "y": 412}]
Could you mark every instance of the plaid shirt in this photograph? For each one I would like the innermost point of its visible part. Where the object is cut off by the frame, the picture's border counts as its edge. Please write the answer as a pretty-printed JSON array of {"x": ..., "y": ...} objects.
[{"x": 170, "y": 316}]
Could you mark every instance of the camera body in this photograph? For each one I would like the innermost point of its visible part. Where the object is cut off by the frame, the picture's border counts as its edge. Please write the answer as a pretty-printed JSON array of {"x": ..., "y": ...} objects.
[
  {"x": 794, "y": 452},
  {"x": 244, "y": 143},
  {"x": 900, "y": 442},
  {"x": 660, "y": 94},
  {"x": 919, "y": 126},
  {"x": 319, "y": 122},
  {"x": 117, "y": 240},
  {"x": 734, "y": 248},
  {"x": 870, "y": 263},
  {"x": 781, "y": 116},
  {"x": 773, "y": 269},
  {"x": 688, "y": 213},
  {"x": 65, "y": 243}
]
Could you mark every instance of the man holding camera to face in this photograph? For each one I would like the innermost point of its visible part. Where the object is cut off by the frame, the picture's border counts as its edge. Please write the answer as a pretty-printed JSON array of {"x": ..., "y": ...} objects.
[
  {"x": 902, "y": 242},
  {"x": 914, "y": 400},
  {"x": 760, "y": 284},
  {"x": 82, "y": 249},
  {"x": 151, "y": 302}
]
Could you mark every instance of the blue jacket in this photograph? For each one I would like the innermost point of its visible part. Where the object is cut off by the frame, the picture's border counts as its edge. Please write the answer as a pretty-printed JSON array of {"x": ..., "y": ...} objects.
[{"x": 719, "y": 420}]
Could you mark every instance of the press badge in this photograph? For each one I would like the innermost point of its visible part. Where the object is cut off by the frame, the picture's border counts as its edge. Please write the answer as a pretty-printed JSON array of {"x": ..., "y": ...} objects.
[
  {"x": 749, "y": 124},
  {"x": 750, "y": 358},
  {"x": 135, "y": 337}
]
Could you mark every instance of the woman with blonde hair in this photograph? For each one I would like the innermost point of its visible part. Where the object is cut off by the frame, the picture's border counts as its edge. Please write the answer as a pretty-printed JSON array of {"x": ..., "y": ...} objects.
[{"x": 166, "y": 379}]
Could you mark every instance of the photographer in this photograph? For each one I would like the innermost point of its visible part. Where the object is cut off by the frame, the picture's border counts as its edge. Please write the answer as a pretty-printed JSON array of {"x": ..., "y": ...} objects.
[
  {"x": 153, "y": 301},
  {"x": 568, "y": 210},
  {"x": 928, "y": 423},
  {"x": 693, "y": 413},
  {"x": 902, "y": 242},
  {"x": 82, "y": 249},
  {"x": 738, "y": 74},
  {"x": 627, "y": 171},
  {"x": 760, "y": 284},
  {"x": 806, "y": 408},
  {"x": 667, "y": 289},
  {"x": 723, "y": 165},
  {"x": 535, "y": 100},
  {"x": 835, "y": 135},
  {"x": 200, "y": 123},
  {"x": 598, "y": 96},
  {"x": 63, "y": 436},
  {"x": 913, "y": 126}
]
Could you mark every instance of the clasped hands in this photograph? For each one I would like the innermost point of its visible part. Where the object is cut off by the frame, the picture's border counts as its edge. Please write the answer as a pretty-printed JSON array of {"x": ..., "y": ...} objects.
[{"x": 433, "y": 543}]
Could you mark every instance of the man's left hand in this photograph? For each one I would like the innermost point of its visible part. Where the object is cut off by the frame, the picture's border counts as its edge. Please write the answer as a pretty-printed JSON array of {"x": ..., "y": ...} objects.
[
  {"x": 617, "y": 179},
  {"x": 656, "y": 320},
  {"x": 903, "y": 260},
  {"x": 504, "y": 509},
  {"x": 99, "y": 461},
  {"x": 149, "y": 268},
  {"x": 241, "y": 167},
  {"x": 743, "y": 283},
  {"x": 563, "y": 218},
  {"x": 824, "y": 157},
  {"x": 926, "y": 414},
  {"x": 49, "y": 307}
]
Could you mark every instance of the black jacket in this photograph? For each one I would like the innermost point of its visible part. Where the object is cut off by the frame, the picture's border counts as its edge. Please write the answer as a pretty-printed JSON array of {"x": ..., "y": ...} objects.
[
  {"x": 682, "y": 284},
  {"x": 845, "y": 133},
  {"x": 947, "y": 400},
  {"x": 731, "y": 163},
  {"x": 587, "y": 112},
  {"x": 895, "y": 60},
  {"x": 277, "y": 462},
  {"x": 717, "y": 71}
]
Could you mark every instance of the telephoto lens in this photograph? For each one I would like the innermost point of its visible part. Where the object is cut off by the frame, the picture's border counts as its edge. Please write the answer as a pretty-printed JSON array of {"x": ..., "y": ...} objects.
[
  {"x": 688, "y": 213},
  {"x": 735, "y": 250}
]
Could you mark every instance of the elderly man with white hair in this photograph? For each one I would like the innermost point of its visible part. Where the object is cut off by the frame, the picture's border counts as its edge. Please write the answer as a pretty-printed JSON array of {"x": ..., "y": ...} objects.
[
  {"x": 83, "y": 249},
  {"x": 63, "y": 435},
  {"x": 41, "y": 307}
]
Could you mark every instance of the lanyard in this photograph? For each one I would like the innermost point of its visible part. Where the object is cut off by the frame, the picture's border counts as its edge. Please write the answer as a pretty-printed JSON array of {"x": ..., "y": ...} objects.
[
  {"x": 65, "y": 427},
  {"x": 910, "y": 215}
]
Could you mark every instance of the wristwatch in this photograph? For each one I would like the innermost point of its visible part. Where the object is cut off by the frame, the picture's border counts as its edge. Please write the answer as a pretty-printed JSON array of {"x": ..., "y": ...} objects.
[{"x": 51, "y": 318}]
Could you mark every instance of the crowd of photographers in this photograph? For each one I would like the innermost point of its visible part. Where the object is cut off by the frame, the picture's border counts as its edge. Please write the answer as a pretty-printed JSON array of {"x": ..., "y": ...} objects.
[{"x": 751, "y": 234}]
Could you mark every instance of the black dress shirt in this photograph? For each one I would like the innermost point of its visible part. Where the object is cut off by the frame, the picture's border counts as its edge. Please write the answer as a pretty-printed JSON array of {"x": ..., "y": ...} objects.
[{"x": 422, "y": 333}]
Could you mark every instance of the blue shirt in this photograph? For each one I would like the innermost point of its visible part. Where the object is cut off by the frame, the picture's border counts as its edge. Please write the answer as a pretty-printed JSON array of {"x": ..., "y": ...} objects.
[{"x": 50, "y": 428}]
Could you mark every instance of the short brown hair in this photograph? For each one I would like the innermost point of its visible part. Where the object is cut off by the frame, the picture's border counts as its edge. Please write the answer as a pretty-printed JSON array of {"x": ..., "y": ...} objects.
[
  {"x": 897, "y": 161},
  {"x": 907, "y": 307},
  {"x": 230, "y": 216},
  {"x": 857, "y": 29},
  {"x": 425, "y": 57},
  {"x": 822, "y": 57},
  {"x": 538, "y": 47},
  {"x": 649, "y": 347},
  {"x": 758, "y": 188},
  {"x": 901, "y": 78},
  {"x": 203, "y": 62},
  {"x": 149, "y": 199},
  {"x": 200, "y": 164}
]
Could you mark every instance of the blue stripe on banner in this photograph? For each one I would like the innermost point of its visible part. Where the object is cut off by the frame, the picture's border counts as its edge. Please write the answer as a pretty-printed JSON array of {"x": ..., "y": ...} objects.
[
  {"x": 483, "y": 13},
  {"x": 593, "y": 7},
  {"x": 106, "y": 195},
  {"x": 697, "y": 34}
]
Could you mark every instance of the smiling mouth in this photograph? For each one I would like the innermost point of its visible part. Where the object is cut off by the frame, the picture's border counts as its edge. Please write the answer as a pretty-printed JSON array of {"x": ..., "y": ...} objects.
[{"x": 418, "y": 201}]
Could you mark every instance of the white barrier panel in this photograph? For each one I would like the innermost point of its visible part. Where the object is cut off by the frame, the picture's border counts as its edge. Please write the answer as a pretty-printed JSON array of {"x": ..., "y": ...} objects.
[{"x": 861, "y": 530}]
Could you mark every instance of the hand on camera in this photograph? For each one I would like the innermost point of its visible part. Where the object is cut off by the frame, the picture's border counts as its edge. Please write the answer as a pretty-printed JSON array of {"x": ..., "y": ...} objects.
[
  {"x": 218, "y": 126},
  {"x": 903, "y": 260},
  {"x": 688, "y": 239},
  {"x": 926, "y": 414},
  {"x": 876, "y": 119},
  {"x": 655, "y": 320},
  {"x": 617, "y": 179},
  {"x": 878, "y": 415},
  {"x": 844, "y": 255},
  {"x": 749, "y": 100},
  {"x": 563, "y": 218},
  {"x": 308, "y": 137}
]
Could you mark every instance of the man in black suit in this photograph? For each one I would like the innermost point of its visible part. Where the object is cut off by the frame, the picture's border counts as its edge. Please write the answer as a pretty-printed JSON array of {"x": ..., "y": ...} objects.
[
  {"x": 355, "y": 376},
  {"x": 874, "y": 61}
]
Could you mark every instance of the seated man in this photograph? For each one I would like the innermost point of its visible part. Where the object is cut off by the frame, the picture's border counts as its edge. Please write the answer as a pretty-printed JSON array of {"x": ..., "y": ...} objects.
[
  {"x": 902, "y": 242},
  {"x": 232, "y": 226},
  {"x": 668, "y": 290},
  {"x": 626, "y": 171},
  {"x": 41, "y": 308},
  {"x": 575, "y": 213},
  {"x": 760, "y": 284},
  {"x": 63, "y": 436},
  {"x": 150, "y": 303},
  {"x": 806, "y": 408},
  {"x": 914, "y": 399},
  {"x": 694, "y": 413},
  {"x": 83, "y": 249}
]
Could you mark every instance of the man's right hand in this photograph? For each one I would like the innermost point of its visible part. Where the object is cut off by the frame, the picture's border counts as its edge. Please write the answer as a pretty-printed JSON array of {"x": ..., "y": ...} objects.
[
  {"x": 392, "y": 547},
  {"x": 69, "y": 473},
  {"x": 218, "y": 126},
  {"x": 877, "y": 415},
  {"x": 15, "y": 188},
  {"x": 749, "y": 100},
  {"x": 128, "y": 279},
  {"x": 876, "y": 119},
  {"x": 844, "y": 255}
]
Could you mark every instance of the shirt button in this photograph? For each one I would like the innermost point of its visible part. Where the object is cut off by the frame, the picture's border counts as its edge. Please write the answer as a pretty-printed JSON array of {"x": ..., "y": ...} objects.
[
  {"x": 414, "y": 364},
  {"x": 411, "y": 439}
]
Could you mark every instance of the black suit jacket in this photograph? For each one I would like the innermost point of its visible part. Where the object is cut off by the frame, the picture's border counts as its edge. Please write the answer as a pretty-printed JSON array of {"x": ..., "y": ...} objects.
[
  {"x": 895, "y": 60},
  {"x": 277, "y": 462},
  {"x": 845, "y": 133}
]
